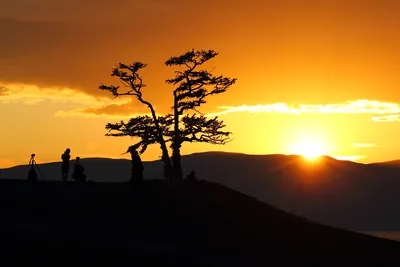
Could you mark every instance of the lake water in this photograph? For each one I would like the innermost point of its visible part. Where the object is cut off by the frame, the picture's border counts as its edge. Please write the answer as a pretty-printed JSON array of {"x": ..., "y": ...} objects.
[{"x": 384, "y": 234}]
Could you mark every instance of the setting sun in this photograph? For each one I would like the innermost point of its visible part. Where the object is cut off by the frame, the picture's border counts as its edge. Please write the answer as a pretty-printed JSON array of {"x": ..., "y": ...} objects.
[
  {"x": 309, "y": 146},
  {"x": 309, "y": 150}
]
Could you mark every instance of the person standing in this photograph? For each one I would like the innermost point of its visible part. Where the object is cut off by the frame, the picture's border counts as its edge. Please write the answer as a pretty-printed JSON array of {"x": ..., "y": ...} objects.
[{"x": 65, "y": 164}]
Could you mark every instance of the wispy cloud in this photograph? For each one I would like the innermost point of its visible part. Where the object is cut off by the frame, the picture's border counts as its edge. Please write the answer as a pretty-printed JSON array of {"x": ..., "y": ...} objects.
[
  {"x": 31, "y": 95},
  {"x": 87, "y": 105},
  {"x": 364, "y": 145},
  {"x": 119, "y": 110},
  {"x": 361, "y": 106},
  {"x": 387, "y": 118},
  {"x": 350, "y": 158},
  {"x": 87, "y": 113},
  {"x": 387, "y": 110},
  {"x": 3, "y": 90},
  {"x": 82, "y": 104}
]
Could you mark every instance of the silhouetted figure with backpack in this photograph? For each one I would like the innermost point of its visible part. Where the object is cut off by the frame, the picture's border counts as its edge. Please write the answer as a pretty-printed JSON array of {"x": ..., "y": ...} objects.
[
  {"x": 78, "y": 175},
  {"x": 137, "y": 165},
  {"x": 191, "y": 176},
  {"x": 65, "y": 164}
]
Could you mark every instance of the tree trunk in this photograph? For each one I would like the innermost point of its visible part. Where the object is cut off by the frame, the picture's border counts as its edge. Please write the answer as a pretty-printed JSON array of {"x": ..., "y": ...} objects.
[
  {"x": 176, "y": 143},
  {"x": 168, "y": 171}
]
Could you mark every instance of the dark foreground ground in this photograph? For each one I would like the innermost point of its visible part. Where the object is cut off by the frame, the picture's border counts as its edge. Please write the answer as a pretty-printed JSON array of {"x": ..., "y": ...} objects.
[{"x": 163, "y": 223}]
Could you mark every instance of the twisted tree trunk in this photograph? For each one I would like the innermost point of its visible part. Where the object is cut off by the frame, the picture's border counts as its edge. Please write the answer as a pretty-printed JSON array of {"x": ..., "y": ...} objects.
[
  {"x": 168, "y": 172},
  {"x": 176, "y": 143}
]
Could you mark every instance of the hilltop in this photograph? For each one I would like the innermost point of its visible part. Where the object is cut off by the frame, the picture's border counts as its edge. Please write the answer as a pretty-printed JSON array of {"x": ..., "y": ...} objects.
[
  {"x": 329, "y": 191},
  {"x": 163, "y": 222}
]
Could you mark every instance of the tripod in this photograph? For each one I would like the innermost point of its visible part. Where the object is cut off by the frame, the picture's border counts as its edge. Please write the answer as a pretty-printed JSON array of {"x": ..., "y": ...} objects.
[{"x": 32, "y": 174}]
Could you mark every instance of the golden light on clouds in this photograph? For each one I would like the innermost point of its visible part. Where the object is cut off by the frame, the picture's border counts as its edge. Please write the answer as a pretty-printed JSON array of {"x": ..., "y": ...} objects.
[
  {"x": 367, "y": 145},
  {"x": 350, "y": 158},
  {"x": 387, "y": 118},
  {"x": 32, "y": 94},
  {"x": 350, "y": 107},
  {"x": 87, "y": 105},
  {"x": 82, "y": 104},
  {"x": 318, "y": 77}
]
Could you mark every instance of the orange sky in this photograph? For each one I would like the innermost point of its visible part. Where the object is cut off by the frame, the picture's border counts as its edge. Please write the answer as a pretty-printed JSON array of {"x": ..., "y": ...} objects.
[{"x": 311, "y": 73}]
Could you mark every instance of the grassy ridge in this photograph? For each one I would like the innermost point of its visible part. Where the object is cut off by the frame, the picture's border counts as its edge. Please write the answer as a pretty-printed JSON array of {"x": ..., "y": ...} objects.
[{"x": 161, "y": 222}]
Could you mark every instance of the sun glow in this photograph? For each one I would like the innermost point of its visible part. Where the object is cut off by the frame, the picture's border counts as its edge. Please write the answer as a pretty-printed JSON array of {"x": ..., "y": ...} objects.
[
  {"x": 309, "y": 147},
  {"x": 309, "y": 150}
]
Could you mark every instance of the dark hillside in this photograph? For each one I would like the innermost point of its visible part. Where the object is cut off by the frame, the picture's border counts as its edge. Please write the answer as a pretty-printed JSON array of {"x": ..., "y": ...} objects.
[
  {"x": 344, "y": 194},
  {"x": 161, "y": 222}
]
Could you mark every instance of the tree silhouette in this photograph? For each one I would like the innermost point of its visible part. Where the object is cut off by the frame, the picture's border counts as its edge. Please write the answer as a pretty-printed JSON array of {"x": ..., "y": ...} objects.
[
  {"x": 142, "y": 127},
  {"x": 192, "y": 88},
  {"x": 145, "y": 127}
]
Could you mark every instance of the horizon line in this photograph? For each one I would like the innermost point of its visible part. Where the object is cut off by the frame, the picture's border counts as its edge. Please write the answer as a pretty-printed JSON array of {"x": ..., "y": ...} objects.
[{"x": 339, "y": 158}]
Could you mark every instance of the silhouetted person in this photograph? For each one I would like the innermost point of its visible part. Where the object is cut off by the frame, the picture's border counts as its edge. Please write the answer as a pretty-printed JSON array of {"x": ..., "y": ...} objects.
[
  {"x": 191, "y": 176},
  {"x": 79, "y": 170},
  {"x": 137, "y": 166},
  {"x": 65, "y": 164}
]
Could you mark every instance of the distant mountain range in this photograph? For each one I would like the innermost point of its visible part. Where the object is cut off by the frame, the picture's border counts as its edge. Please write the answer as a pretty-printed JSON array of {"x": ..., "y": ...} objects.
[{"x": 344, "y": 194}]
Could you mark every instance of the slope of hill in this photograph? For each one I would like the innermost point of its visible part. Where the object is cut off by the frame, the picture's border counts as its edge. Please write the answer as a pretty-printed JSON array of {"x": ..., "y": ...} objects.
[
  {"x": 338, "y": 193},
  {"x": 394, "y": 163},
  {"x": 162, "y": 222}
]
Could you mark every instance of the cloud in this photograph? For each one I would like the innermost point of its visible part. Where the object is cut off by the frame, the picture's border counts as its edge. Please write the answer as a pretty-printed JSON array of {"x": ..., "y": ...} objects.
[
  {"x": 364, "y": 145},
  {"x": 50, "y": 54},
  {"x": 32, "y": 95},
  {"x": 56, "y": 10},
  {"x": 129, "y": 109},
  {"x": 362, "y": 106},
  {"x": 351, "y": 158},
  {"x": 82, "y": 104},
  {"x": 76, "y": 43},
  {"x": 387, "y": 118},
  {"x": 87, "y": 113},
  {"x": 113, "y": 109},
  {"x": 121, "y": 111},
  {"x": 350, "y": 107},
  {"x": 87, "y": 105},
  {"x": 3, "y": 90}
]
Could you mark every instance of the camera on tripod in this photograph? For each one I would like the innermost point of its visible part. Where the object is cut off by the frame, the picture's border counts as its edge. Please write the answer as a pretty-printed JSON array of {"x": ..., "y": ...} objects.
[{"x": 32, "y": 175}]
